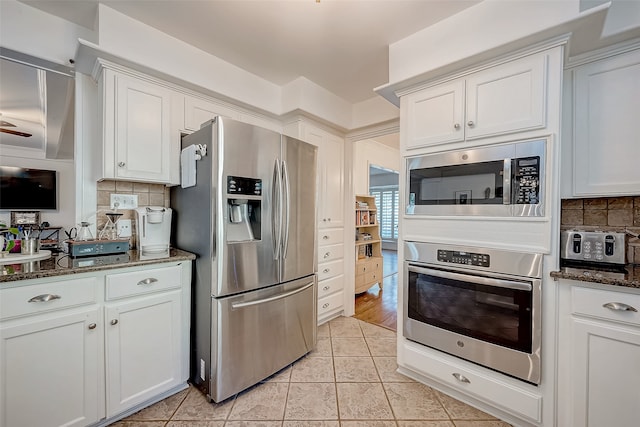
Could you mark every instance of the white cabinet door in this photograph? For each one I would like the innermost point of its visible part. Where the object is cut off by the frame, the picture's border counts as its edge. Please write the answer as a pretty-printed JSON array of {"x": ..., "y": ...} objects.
[
  {"x": 198, "y": 111},
  {"x": 143, "y": 348},
  {"x": 435, "y": 115},
  {"x": 49, "y": 369},
  {"x": 606, "y": 145},
  {"x": 507, "y": 98},
  {"x": 606, "y": 374}
]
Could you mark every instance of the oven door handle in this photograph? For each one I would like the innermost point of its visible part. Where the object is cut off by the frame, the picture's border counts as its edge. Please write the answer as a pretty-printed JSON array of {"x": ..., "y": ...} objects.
[{"x": 488, "y": 281}]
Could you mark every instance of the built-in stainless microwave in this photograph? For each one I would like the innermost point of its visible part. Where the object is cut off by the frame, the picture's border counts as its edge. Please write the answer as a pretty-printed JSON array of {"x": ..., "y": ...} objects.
[{"x": 501, "y": 180}]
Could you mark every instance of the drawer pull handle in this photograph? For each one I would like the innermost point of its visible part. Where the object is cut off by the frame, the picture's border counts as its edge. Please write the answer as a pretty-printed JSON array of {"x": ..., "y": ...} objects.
[
  {"x": 92, "y": 326},
  {"x": 44, "y": 298},
  {"x": 325, "y": 237},
  {"x": 147, "y": 281},
  {"x": 461, "y": 378},
  {"x": 619, "y": 306},
  {"x": 114, "y": 321},
  {"x": 325, "y": 305},
  {"x": 326, "y": 270},
  {"x": 327, "y": 255},
  {"x": 326, "y": 288}
]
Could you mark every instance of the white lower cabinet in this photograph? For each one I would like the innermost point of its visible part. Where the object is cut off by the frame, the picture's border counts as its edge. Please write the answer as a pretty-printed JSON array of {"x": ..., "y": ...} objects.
[
  {"x": 74, "y": 352},
  {"x": 48, "y": 369},
  {"x": 143, "y": 337},
  {"x": 599, "y": 357}
]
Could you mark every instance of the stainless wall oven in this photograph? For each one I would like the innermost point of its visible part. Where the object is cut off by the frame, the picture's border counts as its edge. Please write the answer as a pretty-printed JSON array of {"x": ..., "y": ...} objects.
[
  {"x": 502, "y": 180},
  {"x": 479, "y": 304}
]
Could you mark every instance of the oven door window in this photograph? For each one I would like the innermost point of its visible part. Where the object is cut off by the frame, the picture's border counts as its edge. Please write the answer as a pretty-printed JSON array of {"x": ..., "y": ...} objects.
[
  {"x": 469, "y": 184},
  {"x": 492, "y": 314}
]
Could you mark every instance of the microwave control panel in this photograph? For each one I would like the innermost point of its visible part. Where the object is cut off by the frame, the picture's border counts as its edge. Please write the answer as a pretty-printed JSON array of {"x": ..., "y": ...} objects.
[
  {"x": 467, "y": 258},
  {"x": 527, "y": 181}
]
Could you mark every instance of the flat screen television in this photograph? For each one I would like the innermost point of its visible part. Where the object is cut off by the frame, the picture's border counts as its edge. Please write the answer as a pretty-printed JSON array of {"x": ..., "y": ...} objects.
[{"x": 27, "y": 189}]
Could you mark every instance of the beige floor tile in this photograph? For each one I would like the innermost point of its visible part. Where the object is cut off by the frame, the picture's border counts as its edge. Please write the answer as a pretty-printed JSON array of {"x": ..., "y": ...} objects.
[
  {"x": 363, "y": 401},
  {"x": 345, "y": 327},
  {"x": 414, "y": 401},
  {"x": 125, "y": 423},
  {"x": 491, "y": 423},
  {"x": 379, "y": 346},
  {"x": 311, "y": 401},
  {"x": 370, "y": 330},
  {"x": 368, "y": 423},
  {"x": 262, "y": 402},
  {"x": 323, "y": 348},
  {"x": 282, "y": 376},
  {"x": 355, "y": 369},
  {"x": 461, "y": 411},
  {"x": 195, "y": 424},
  {"x": 253, "y": 424},
  {"x": 311, "y": 424},
  {"x": 387, "y": 367},
  {"x": 162, "y": 410},
  {"x": 197, "y": 407},
  {"x": 425, "y": 423},
  {"x": 323, "y": 330},
  {"x": 313, "y": 370},
  {"x": 349, "y": 347}
]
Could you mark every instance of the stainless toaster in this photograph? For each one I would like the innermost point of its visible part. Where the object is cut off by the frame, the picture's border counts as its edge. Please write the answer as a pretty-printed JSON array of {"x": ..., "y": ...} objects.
[{"x": 593, "y": 247}]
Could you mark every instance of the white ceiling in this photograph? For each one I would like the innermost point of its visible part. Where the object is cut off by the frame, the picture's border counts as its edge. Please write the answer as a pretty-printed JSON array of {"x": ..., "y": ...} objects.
[{"x": 342, "y": 45}]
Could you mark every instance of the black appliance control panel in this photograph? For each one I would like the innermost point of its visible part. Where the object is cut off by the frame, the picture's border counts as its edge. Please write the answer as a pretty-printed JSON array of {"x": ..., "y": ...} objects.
[
  {"x": 244, "y": 186},
  {"x": 527, "y": 181},
  {"x": 467, "y": 258}
]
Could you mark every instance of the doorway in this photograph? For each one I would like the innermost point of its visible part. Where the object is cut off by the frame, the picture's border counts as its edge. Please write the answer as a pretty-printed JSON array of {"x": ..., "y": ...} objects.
[{"x": 379, "y": 304}]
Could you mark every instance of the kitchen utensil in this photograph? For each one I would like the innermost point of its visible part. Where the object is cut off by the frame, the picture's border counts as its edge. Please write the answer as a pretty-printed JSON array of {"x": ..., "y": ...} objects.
[
  {"x": 110, "y": 230},
  {"x": 85, "y": 232},
  {"x": 29, "y": 246}
]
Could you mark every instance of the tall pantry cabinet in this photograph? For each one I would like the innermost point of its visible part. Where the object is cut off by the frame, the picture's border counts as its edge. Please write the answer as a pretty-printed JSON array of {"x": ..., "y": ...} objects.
[{"x": 330, "y": 216}]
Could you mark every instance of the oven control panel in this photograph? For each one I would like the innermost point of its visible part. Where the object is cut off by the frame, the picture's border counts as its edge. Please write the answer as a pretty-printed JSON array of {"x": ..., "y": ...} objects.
[{"x": 467, "y": 258}]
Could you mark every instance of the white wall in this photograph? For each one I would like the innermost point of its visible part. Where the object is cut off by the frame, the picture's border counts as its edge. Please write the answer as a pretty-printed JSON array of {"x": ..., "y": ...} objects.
[{"x": 370, "y": 152}]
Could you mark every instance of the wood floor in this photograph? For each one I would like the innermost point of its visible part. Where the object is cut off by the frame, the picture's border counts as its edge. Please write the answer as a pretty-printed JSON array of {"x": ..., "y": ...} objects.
[{"x": 379, "y": 306}]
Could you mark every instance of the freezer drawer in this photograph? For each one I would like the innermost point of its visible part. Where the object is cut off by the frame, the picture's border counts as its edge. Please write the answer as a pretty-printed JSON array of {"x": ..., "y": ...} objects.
[{"x": 258, "y": 333}]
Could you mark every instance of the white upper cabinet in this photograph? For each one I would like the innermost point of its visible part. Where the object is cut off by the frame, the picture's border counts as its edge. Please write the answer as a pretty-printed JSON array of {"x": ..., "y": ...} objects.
[
  {"x": 606, "y": 142},
  {"x": 507, "y": 98},
  {"x": 198, "y": 110}
]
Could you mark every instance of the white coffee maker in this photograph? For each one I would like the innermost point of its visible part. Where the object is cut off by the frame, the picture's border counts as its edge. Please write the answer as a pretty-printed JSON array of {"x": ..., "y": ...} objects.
[{"x": 153, "y": 229}]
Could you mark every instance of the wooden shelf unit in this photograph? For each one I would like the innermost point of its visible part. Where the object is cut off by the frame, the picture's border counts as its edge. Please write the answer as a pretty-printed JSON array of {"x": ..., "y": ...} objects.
[{"x": 369, "y": 250}]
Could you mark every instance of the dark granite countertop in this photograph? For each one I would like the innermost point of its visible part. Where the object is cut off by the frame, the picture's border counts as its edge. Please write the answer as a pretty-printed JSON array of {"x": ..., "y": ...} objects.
[
  {"x": 629, "y": 277},
  {"x": 61, "y": 264}
]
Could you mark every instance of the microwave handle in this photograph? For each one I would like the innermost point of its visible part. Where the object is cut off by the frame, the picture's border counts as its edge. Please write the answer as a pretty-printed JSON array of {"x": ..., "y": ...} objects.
[
  {"x": 487, "y": 281},
  {"x": 506, "y": 182}
]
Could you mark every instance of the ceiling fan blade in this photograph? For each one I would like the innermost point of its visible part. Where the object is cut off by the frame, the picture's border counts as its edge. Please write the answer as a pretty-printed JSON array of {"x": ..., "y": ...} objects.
[
  {"x": 15, "y": 132},
  {"x": 4, "y": 123}
]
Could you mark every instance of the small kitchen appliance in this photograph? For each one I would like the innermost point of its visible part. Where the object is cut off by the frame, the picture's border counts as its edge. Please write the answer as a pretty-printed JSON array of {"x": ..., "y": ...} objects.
[
  {"x": 153, "y": 226},
  {"x": 592, "y": 247}
]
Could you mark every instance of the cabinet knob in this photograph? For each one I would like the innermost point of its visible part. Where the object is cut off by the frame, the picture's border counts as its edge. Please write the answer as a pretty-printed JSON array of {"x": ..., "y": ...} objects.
[
  {"x": 121, "y": 164},
  {"x": 114, "y": 321},
  {"x": 456, "y": 126},
  {"x": 92, "y": 326},
  {"x": 326, "y": 270},
  {"x": 461, "y": 378},
  {"x": 470, "y": 123},
  {"x": 325, "y": 237},
  {"x": 329, "y": 219},
  {"x": 325, "y": 305},
  {"x": 327, "y": 255},
  {"x": 326, "y": 288},
  {"x": 620, "y": 306}
]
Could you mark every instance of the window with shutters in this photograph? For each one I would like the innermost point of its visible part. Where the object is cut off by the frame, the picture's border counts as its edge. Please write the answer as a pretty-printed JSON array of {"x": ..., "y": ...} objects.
[{"x": 387, "y": 200}]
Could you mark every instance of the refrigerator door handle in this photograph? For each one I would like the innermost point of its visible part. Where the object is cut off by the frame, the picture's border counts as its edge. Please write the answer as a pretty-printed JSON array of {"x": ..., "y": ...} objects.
[
  {"x": 276, "y": 210},
  {"x": 287, "y": 209},
  {"x": 237, "y": 305}
]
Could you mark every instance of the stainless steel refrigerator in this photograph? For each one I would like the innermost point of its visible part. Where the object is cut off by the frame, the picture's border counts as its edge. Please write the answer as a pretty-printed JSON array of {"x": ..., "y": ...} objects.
[{"x": 250, "y": 219}]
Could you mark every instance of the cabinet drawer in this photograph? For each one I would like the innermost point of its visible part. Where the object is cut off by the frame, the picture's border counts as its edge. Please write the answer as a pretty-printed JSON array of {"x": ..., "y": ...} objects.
[
  {"x": 142, "y": 282},
  {"x": 44, "y": 297},
  {"x": 330, "y": 269},
  {"x": 330, "y": 286},
  {"x": 330, "y": 253},
  {"x": 606, "y": 304},
  {"x": 330, "y": 303},
  {"x": 329, "y": 237},
  {"x": 372, "y": 276}
]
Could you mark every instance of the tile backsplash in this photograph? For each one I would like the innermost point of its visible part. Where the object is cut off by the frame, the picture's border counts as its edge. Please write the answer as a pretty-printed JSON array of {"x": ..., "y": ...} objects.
[
  {"x": 621, "y": 214},
  {"x": 148, "y": 195}
]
